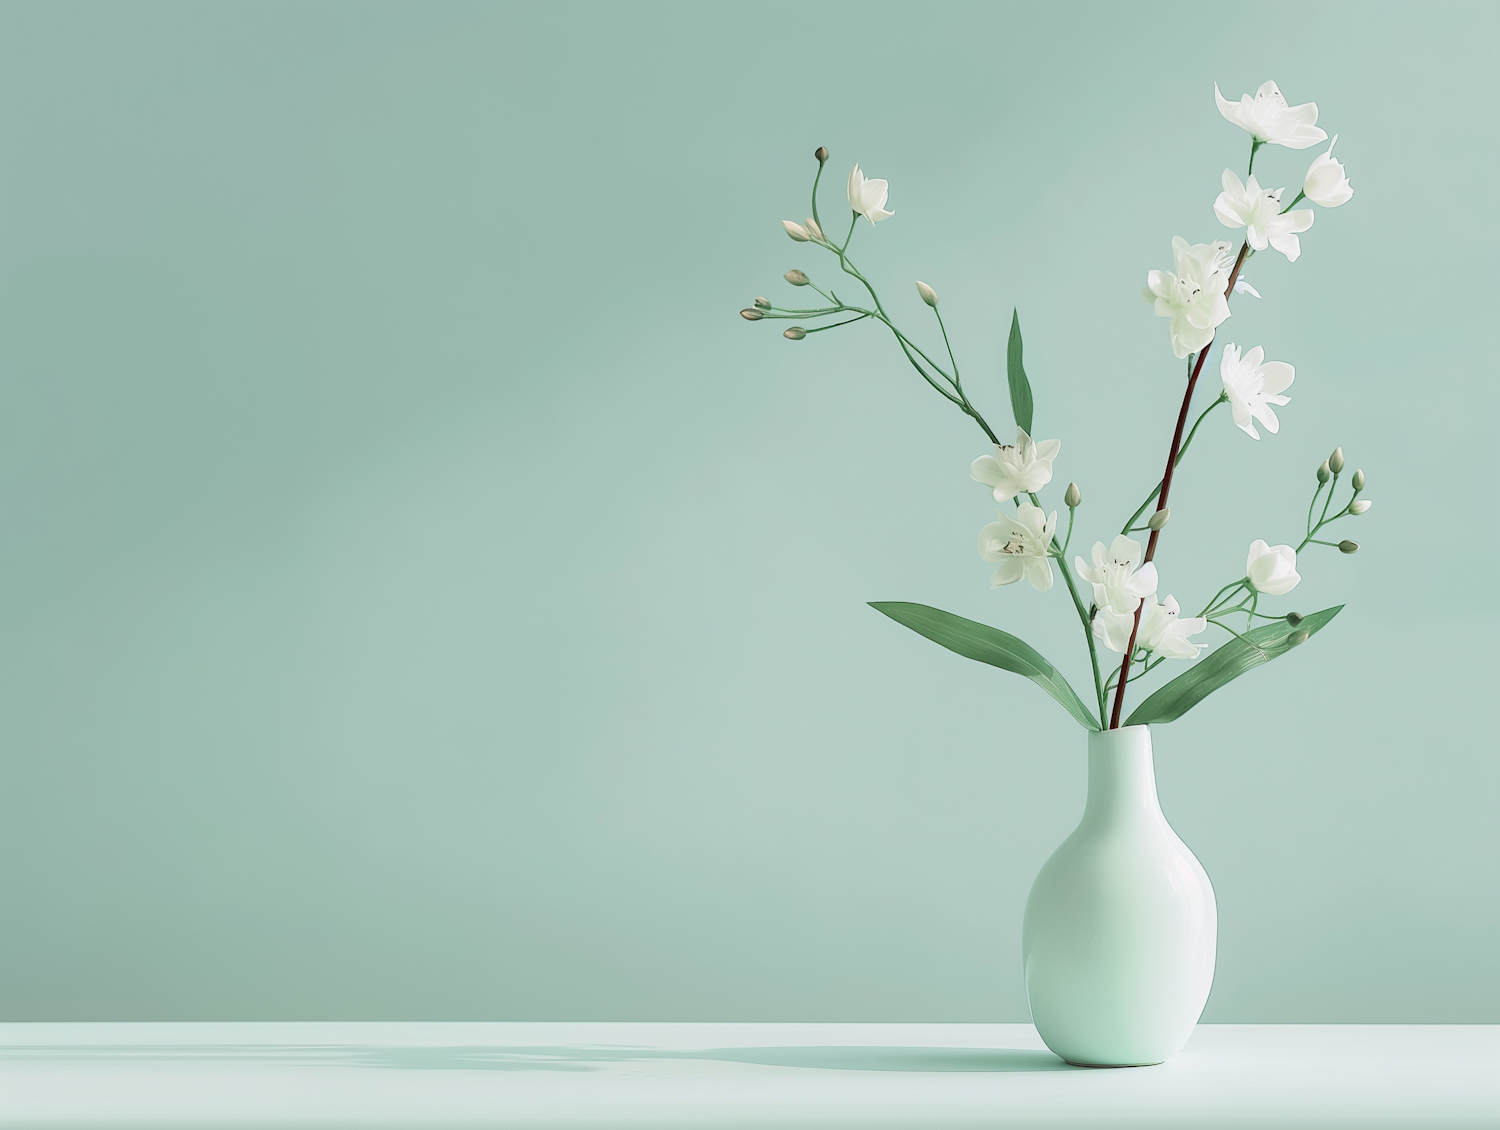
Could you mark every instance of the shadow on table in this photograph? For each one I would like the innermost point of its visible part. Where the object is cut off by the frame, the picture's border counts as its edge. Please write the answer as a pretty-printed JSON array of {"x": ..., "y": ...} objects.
[{"x": 488, "y": 1058}]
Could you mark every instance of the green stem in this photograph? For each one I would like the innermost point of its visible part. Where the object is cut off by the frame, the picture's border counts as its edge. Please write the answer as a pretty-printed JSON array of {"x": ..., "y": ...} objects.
[
  {"x": 1150, "y": 498},
  {"x": 1327, "y": 502},
  {"x": 1311, "y": 506},
  {"x": 836, "y": 325},
  {"x": 1237, "y": 635},
  {"x": 1083, "y": 615},
  {"x": 1255, "y": 144},
  {"x": 952, "y": 360},
  {"x": 1300, "y": 197},
  {"x": 1229, "y": 588},
  {"x": 912, "y": 350},
  {"x": 816, "y": 219}
]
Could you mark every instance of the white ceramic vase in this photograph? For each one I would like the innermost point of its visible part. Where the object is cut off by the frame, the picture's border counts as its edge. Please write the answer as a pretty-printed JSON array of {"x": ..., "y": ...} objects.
[{"x": 1121, "y": 925}]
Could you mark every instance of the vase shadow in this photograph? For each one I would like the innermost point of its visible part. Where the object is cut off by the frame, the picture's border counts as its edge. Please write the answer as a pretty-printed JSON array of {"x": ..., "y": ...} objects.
[{"x": 553, "y": 1058}]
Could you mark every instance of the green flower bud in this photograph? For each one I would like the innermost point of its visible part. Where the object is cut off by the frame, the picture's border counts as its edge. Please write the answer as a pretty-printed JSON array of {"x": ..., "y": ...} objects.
[
  {"x": 1336, "y": 460},
  {"x": 796, "y": 333},
  {"x": 821, "y": 154},
  {"x": 1324, "y": 474},
  {"x": 1074, "y": 497},
  {"x": 1360, "y": 506},
  {"x": 1294, "y": 618},
  {"x": 1359, "y": 480},
  {"x": 751, "y": 315},
  {"x": 1160, "y": 518},
  {"x": 929, "y": 295},
  {"x": 796, "y": 277},
  {"x": 1297, "y": 639},
  {"x": 763, "y": 303},
  {"x": 1347, "y": 546}
]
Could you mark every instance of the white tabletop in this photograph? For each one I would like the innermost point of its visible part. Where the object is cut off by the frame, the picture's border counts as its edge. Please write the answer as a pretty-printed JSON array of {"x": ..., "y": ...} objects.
[{"x": 439, "y": 1075}]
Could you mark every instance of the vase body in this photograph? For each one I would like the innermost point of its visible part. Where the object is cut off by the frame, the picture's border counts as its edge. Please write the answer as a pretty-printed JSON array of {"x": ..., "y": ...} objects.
[{"x": 1121, "y": 926}]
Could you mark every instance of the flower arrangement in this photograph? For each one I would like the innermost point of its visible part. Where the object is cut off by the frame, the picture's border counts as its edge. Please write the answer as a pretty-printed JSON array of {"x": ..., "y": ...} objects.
[{"x": 1115, "y": 591}]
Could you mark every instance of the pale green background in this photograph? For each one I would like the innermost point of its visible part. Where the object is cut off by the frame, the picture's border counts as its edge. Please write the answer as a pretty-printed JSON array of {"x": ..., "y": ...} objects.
[{"x": 424, "y": 597}]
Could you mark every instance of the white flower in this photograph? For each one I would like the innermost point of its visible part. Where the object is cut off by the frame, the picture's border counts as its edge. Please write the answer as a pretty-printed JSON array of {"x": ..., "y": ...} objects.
[
  {"x": 796, "y": 231},
  {"x": 1193, "y": 297},
  {"x": 1021, "y": 468},
  {"x": 1118, "y": 584},
  {"x": 1325, "y": 183},
  {"x": 1258, "y": 211},
  {"x": 1268, "y": 117},
  {"x": 1242, "y": 286},
  {"x": 1166, "y": 633},
  {"x": 1272, "y": 569},
  {"x": 1020, "y": 543},
  {"x": 1113, "y": 629},
  {"x": 867, "y": 197},
  {"x": 1253, "y": 385}
]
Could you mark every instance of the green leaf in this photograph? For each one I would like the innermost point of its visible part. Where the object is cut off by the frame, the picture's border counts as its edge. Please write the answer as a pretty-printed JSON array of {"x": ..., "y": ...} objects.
[
  {"x": 989, "y": 645},
  {"x": 1020, "y": 387},
  {"x": 1228, "y": 661}
]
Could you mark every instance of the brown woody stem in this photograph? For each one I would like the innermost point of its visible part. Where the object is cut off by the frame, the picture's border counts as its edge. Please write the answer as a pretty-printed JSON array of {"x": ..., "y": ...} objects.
[{"x": 1166, "y": 486}]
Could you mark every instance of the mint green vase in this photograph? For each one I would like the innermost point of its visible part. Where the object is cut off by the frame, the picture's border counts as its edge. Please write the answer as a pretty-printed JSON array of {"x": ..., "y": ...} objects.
[{"x": 1121, "y": 925}]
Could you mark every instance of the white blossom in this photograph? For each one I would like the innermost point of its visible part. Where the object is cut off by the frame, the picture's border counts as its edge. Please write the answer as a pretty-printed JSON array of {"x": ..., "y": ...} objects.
[
  {"x": 1325, "y": 183},
  {"x": 1193, "y": 295},
  {"x": 1166, "y": 633},
  {"x": 1021, "y": 544},
  {"x": 1117, "y": 575},
  {"x": 1268, "y": 117},
  {"x": 1258, "y": 211},
  {"x": 1119, "y": 582},
  {"x": 1253, "y": 384},
  {"x": 1020, "y": 468},
  {"x": 868, "y": 197},
  {"x": 1272, "y": 569}
]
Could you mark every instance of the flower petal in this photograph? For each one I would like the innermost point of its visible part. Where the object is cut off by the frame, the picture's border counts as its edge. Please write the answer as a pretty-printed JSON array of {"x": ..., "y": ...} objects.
[
  {"x": 1010, "y": 571},
  {"x": 1279, "y": 376}
]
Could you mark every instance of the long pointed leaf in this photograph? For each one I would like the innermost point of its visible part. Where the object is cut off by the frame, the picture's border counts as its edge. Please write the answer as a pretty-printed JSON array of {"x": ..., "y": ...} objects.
[
  {"x": 1020, "y": 387},
  {"x": 1229, "y": 661},
  {"x": 989, "y": 645}
]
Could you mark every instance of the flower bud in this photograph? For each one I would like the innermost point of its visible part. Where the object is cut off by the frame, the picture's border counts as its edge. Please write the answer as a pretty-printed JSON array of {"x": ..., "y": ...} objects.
[
  {"x": 813, "y": 230},
  {"x": 1359, "y": 506},
  {"x": 1336, "y": 460},
  {"x": 1324, "y": 474},
  {"x": 796, "y": 231},
  {"x": 1359, "y": 480},
  {"x": 1297, "y": 639},
  {"x": 763, "y": 303},
  {"x": 795, "y": 333},
  {"x": 1160, "y": 518},
  {"x": 1325, "y": 183},
  {"x": 751, "y": 315},
  {"x": 1294, "y": 618},
  {"x": 1347, "y": 546},
  {"x": 1074, "y": 497},
  {"x": 821, "y": 154},
  {"x": 929, "y": 295},
  {"x": 795, "y": 277}
]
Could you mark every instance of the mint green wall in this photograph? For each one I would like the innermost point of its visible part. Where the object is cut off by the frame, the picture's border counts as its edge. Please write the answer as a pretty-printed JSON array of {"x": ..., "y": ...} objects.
[{"x": 423, "y": 597}]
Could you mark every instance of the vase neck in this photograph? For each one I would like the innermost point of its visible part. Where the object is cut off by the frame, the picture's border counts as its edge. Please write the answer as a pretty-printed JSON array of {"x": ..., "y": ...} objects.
[{"x": 1122, "y": 777}]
